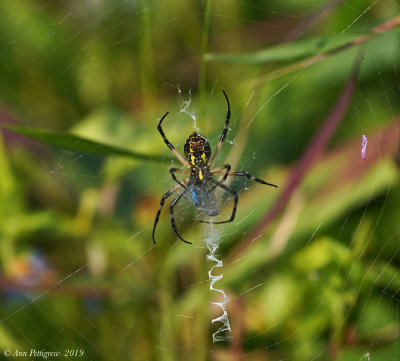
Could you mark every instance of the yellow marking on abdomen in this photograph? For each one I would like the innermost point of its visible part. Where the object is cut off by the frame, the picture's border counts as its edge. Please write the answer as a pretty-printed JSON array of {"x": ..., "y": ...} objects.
[{"x": 200, "y": 174}]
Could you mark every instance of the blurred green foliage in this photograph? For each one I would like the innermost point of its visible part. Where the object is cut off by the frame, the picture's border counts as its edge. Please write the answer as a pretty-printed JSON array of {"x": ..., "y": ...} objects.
[{"x": 82, "y": 173}]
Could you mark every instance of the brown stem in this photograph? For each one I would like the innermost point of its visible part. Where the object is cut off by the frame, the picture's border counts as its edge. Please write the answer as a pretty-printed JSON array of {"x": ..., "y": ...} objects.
[{"x": 382, "y": 28}]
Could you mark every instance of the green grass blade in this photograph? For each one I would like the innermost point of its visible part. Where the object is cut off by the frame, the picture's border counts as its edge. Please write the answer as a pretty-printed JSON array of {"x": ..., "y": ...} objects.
[
  {"x": 78, "y": 144},
  {"x": 284, "y": 52},
  {"x": 306, "y": 48}
]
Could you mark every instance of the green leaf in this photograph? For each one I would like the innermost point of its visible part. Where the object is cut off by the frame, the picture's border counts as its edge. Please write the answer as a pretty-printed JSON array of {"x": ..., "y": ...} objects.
[
  {"x": 285, "y": 52},
  {"x": 78, "y": 144}
]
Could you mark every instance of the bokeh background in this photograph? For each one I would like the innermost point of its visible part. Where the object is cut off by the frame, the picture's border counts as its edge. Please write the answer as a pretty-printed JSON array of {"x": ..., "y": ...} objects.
[{"x": 311, "y": 268}]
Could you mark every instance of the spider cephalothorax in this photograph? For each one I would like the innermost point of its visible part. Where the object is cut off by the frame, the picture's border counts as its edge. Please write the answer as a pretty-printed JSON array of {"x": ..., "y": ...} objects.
[
  {"x": 197, "y": 150},
  {"x": 201, "y": 182}
]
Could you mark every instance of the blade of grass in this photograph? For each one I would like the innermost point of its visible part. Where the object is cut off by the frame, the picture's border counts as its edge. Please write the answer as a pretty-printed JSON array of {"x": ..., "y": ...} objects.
[
  {"x": 78, "y": 144},
  {"x": 305, "y": 48},
  {"x": 304, "y": 63},
  {"x": 312, "y": 50},
  {"x": 286, "y": 51}
]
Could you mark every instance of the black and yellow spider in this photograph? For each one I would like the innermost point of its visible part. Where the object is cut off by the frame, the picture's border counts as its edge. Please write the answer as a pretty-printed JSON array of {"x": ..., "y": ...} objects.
[{"x": 200, "y": 183}]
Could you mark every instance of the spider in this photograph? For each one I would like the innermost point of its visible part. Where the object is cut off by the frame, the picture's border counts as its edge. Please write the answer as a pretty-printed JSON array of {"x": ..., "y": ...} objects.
[{"x": 200, "y": 181}]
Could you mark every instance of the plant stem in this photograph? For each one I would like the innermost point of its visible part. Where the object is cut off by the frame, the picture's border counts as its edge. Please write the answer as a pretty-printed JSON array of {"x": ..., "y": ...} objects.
[
  {"x": 203, "y": 50},
  {"x": 146, "y": 58}
]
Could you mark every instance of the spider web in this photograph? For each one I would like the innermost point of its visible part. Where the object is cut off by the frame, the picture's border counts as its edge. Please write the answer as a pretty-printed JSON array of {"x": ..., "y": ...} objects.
[{"x": 81, "y": 277}]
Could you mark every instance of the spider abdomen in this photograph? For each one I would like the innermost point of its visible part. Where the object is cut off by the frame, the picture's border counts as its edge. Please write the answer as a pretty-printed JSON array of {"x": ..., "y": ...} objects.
[{"x": 204, "y": 199}]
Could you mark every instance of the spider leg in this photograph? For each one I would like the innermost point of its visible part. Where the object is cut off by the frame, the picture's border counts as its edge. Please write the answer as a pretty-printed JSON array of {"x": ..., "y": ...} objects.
[
  {"x": 218, "y": 170},
  {"x": 247, "y": 175},
  {"x": 169, "y": 144},
  {"x": 175, "y": 170},
  {"x": 164, "y": 197},
  {"x": 225, "y": 130},
  {"x": 171, "y": 212},
  {"x": 235, "y": 201}
]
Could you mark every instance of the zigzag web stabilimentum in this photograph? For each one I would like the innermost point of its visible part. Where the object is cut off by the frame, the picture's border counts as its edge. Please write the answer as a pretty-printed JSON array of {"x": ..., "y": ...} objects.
[{"x": 212, "y": 240}]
